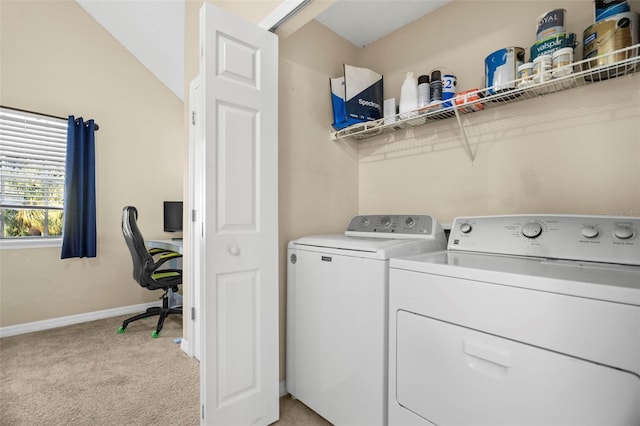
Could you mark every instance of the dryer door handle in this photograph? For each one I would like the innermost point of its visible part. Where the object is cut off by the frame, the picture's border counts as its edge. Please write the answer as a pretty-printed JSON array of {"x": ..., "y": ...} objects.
[{"x": 487, "y": 353}]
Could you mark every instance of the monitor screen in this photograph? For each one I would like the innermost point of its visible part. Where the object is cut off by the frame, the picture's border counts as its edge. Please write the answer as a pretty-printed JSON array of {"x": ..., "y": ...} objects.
[{"x": 173, "y": 216}]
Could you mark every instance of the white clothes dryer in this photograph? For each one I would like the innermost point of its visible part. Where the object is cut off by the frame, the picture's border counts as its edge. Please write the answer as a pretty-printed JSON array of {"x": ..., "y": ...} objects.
[
  {"x": 337, "y": 321},
  {"x": 525, "y": 320}
]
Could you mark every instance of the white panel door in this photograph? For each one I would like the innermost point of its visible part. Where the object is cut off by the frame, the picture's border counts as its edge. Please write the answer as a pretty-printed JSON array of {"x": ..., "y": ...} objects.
[{"x": 239, "y": 365}]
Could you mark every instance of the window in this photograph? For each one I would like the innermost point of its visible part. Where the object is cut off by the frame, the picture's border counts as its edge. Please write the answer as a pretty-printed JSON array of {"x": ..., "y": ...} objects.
[{"x": 32, "y": 169}]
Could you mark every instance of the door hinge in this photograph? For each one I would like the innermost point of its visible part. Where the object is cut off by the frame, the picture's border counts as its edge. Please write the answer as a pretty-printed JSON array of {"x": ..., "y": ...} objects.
[
  {"x": 193, "y": 215},
  {"x": 202, "y": 412},
  {"x": 193, "y": 118},
  {"x": 193, "y": 313}
]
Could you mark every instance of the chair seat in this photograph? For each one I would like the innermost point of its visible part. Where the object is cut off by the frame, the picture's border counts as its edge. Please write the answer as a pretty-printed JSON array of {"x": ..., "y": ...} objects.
[{"x": 160, "y": 275}]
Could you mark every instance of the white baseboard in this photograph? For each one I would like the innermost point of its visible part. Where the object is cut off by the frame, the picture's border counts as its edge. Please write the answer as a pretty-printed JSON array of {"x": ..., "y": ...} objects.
[{"x": 30, "y": 327}]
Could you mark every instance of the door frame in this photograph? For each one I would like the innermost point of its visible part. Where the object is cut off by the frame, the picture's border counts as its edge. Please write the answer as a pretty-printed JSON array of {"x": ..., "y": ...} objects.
[{"x": 195, "y": 214}]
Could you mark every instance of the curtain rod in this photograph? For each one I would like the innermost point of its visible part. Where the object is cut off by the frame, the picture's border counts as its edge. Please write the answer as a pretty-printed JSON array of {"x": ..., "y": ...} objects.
[{"x": 46, "y": 115}]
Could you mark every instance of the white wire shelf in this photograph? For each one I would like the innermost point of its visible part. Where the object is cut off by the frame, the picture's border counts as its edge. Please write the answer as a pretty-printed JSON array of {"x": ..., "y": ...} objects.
[{"x": 582, "y": 73}]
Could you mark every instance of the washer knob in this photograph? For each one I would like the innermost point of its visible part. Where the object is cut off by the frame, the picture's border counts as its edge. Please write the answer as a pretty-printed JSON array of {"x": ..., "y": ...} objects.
[
  {"x": 465, "y": 228},
  {"x": 385, "y": 221},
  {"x": 532, "y": 230},
  {"x": 410, "y": 222},
  {"x": 590, "y": 232},
  {"x": 623, "y": 232},
  {"x": 364, "y": 221}
]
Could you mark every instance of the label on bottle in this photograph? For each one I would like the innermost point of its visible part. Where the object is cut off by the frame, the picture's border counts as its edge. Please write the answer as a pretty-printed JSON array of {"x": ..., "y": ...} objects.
[
  {"x": 423, "y": 95},
  {"x": 436, "y": 91},
  {"x": 449, "y": 83}
]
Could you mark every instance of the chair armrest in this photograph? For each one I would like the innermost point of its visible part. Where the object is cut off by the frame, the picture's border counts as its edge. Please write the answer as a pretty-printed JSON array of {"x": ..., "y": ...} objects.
[
  {"x": 161, "y": 257},
  {"x": 160, "y": 251}
]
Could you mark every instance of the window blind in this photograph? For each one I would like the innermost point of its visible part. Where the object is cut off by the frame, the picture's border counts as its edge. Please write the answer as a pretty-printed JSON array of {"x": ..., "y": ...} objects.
[{"x": 32, "y": 160}]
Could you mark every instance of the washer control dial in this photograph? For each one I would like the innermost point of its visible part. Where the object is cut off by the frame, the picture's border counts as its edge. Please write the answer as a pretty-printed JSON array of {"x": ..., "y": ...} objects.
[
  {"x": 532, "y": 230},
  {"x": 364, "y": 221},
  {"x": 410, "y": 222},
  {"x": 590, "y": 232},
  {"x": 623, "y": 232},
  {"x": 385, "y": 221},
  {"x": 465, "y": 228}
]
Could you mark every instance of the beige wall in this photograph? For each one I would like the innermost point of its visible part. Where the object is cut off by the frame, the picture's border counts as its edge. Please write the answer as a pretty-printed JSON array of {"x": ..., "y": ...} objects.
[
  {"x": 573, "y": 152},
  {"x": 56, "y": 59},
  {"x": 318, "y": 177}
]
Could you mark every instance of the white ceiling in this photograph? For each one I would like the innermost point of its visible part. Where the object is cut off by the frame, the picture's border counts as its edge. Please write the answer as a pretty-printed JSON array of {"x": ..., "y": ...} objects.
[
  {"x": 364, "y": 21},
  {"x": 153, "y": 30}
]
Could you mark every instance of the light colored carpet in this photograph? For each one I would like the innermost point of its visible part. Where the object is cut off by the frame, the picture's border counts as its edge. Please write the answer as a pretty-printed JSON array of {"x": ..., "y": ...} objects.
[
  {"x": 87, "y": 374},
  {"x": 295, "y": 413}
]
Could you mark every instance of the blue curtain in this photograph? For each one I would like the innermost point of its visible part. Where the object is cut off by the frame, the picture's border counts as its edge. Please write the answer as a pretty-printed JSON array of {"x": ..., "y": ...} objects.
[{"x": 79, "y": 223}]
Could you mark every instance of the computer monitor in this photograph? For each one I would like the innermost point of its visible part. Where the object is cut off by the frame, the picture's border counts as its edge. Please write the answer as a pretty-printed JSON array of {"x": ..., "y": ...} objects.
[{"x": 173, "y": 216}]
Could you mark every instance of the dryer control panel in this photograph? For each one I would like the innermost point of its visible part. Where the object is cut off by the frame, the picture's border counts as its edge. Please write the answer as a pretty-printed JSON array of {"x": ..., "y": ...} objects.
[
  {"x": 608, "y": 239},
  {"x": 394, "y": 226}
]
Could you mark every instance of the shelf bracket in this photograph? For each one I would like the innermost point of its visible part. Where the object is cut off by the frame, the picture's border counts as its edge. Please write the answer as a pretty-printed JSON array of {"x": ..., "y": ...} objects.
[{"x": 466, "y": 145}]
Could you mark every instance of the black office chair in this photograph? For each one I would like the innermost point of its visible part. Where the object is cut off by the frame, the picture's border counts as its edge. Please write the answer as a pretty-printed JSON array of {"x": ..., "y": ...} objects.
[{"x": 146, "y": 272}]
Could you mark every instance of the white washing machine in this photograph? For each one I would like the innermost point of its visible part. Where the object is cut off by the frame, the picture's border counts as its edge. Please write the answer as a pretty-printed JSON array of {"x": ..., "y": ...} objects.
[
  {"x": 525, "y": 320},
  {"x": 337, "y": 322}
]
